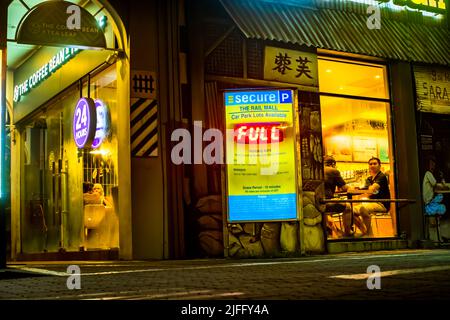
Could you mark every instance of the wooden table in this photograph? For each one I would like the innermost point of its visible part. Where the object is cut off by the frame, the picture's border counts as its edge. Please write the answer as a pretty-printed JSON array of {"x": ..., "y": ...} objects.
[{"x": 359, "y": 192}]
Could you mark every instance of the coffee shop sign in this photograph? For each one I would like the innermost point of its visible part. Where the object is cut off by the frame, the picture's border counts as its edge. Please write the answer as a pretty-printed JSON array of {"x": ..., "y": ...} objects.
[
  {"x": 57, "y": 61},
  {"x": 437, "y": 6}
]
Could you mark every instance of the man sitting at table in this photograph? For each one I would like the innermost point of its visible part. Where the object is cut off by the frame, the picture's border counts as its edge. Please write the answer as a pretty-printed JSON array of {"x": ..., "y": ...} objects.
[
  {"x": 333, "y": 180},
  {"x": 378, "y": 188}
]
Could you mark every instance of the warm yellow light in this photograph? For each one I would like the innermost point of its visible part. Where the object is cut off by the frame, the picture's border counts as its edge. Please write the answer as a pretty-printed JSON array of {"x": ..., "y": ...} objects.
[
  {"x": 377, "y": 76},
  {"x": 328, "y": 70},
  {"x": 341, "y": 88},
  {"x": 103, "y": 152}
]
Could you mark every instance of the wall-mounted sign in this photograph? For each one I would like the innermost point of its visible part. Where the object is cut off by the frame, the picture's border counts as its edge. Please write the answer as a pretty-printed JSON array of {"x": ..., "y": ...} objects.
[
  {"x": 84, "y": 122},
  {"x": 291, "y": 66},
  {"x": 437, "y": 6},
  {"x": 143, "y": 84},
  {"x": 261, "y": 174},
  {"x": 60, "y": 23},
  {"x": 35, "y": 79},
  {"x": 432, "y": 89},
  {"x": 102, "y": 126}
]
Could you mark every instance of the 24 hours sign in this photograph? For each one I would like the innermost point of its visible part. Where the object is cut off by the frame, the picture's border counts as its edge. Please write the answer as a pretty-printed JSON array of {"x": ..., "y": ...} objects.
[{"x": 260, "y": 153}]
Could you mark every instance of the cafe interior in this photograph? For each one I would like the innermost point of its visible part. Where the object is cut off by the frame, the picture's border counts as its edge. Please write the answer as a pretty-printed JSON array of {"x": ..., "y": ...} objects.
[{"x": 356, "y": 125}]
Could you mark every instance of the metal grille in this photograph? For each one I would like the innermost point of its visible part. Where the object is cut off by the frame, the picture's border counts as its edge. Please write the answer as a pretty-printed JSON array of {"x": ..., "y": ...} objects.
[
  {"x": 254, "y": 59},
  {"x": 226, "y": 59},
  {"x": 97, "y": 169}
]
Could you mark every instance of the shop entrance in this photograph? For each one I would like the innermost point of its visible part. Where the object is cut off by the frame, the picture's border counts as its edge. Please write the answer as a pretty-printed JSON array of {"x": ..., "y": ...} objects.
[
  {"x": 45, "y": 186},
  {"x": 69, "y": 195}
]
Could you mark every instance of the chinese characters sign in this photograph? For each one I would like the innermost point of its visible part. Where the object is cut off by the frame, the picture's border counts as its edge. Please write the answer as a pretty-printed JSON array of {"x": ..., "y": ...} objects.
[
  {"x": 432, "y": 89},
  {"x": 290, "y": 66},
  {"x": 261, "y": 176}
]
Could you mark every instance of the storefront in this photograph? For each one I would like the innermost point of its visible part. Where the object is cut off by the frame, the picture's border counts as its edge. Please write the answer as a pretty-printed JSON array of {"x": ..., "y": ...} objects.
[
  {"x": 355, "y": 101},
  {"x": 66, "y": 194},
  {"x": 433, "y": 126}
]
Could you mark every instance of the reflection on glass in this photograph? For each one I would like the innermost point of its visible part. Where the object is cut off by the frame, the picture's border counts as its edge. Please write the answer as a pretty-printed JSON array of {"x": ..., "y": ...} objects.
[
  {"x": 353, "y": 132},
  {"x": 354, "y": 79},
  {"x": 54, "y": 214}
]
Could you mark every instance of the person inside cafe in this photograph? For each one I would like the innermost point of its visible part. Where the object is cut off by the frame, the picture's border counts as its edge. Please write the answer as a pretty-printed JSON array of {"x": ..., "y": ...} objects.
[
  {"x": 433, "y": 201},
  {"x": 98, "y": 189},
  {"x": 334, "y": 182},
  {"x": 377, "y": 187},
  {"x": 94, "y": 194}
]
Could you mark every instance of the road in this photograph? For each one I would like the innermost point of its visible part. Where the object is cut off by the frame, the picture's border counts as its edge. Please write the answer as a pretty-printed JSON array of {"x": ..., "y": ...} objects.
[{"x": 405, "y": 274}]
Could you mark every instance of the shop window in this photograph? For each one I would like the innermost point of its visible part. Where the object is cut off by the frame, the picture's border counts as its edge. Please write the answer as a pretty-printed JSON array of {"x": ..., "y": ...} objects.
[
  {"x": 55, "y": 213},
  {"x": 356, "y": 126},
  {"x": 353, "y": 79}
]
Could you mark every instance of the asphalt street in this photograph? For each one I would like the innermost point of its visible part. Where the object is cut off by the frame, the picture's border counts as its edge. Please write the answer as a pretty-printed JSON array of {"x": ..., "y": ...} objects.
[{"x": 393, "y": 275}]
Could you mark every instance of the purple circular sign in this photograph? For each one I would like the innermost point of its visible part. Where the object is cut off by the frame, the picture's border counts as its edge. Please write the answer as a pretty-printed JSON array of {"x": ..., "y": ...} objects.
[
  {"x": 84, "y": 122},
  {"x": 102, "y": 123}
]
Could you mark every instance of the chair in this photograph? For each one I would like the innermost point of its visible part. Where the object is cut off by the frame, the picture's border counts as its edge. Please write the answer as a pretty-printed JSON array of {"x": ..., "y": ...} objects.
[
  {"x": 333, "y": 216},
  {"x": 438, "y": 226}
]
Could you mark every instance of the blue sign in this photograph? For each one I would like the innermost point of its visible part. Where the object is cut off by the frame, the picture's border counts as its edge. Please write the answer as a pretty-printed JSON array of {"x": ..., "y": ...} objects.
[
  {"x": 266, "y": 207},
  {"x": 84, "y": 122},
  {"x": 258, "y": 97},
  {"x": 102, "y": 123}
]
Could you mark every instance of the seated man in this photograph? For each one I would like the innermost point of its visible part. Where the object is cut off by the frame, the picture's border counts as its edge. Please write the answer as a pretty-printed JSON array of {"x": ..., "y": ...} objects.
[
  {"x": 378, "y": 187},
  {"x": 333, "y": 180}
]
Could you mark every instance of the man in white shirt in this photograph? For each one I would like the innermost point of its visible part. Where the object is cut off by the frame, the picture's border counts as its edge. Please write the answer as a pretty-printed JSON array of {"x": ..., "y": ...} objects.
[{"x": 433, "y": 203}]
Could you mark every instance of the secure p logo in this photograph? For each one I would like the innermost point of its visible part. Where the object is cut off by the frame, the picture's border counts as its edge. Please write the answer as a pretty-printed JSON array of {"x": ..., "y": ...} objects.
[
  {"x": 74, "y": 280},
  {"x": 374, "y": 279}
]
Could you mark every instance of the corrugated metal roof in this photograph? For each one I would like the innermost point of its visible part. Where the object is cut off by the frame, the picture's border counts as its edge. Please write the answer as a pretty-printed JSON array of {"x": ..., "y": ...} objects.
[{"x": 340, "y": 30}]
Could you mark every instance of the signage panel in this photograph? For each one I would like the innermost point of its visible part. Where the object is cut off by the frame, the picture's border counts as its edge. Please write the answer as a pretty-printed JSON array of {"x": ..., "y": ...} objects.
[
  {"x": 60, "y": 23},
  {"x": 432, "y": 89},
  {"x": 291, "y": 66},
  {"x": 102, "y": 126},
  {"x": 261, "y": 173},
  {"x": 84, "y": 122}
]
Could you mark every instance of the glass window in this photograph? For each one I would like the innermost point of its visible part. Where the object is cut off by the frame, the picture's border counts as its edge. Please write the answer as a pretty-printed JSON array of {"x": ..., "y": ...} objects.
[
  {"x": 68, "y": 194},
  {"x": 352, "y": 78},
  {"x": 355, "y": 130}
]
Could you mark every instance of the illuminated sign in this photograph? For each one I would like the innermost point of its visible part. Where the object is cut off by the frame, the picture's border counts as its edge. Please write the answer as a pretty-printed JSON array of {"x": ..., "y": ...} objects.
[
  {"x": 34, "y": 80},
  {"x": 84, "y": 122},
  {"x": 258, "y": 133},
  {"x": 102, "y": 123},
  {"x": 260, "y": 149},
  {"x": 435, "y": 6},
  {"x": 60, "y": 23}
]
